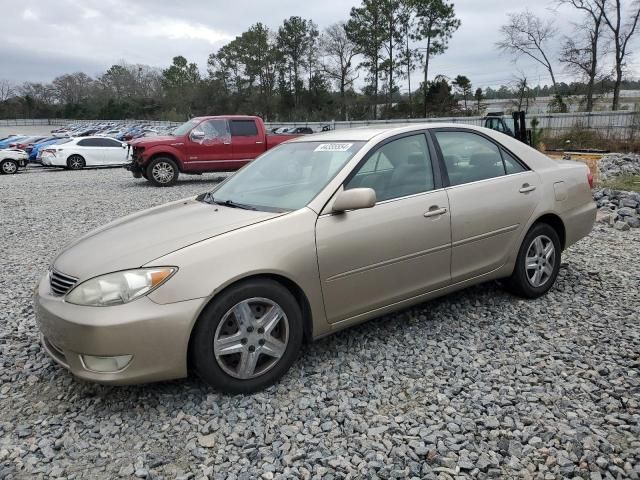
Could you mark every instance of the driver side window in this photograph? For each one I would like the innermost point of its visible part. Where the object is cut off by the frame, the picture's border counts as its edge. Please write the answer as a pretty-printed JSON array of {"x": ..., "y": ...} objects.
[{"x": 397, "y": 169}]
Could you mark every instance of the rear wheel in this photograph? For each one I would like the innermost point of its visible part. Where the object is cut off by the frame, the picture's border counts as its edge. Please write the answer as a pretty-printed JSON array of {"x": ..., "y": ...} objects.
[
  {"x": 162, "y": 172},
  {"x": 75, "y": 162},
  {"x": 246, "y": 339},
  {"x": 8, "y": 166},
  {"x": 537, "y": 264}
]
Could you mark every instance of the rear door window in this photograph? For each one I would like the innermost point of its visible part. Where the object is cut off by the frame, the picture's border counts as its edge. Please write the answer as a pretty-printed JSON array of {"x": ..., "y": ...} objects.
[
  {"x": 90, "y": 142},
  {"x": 469, "y": 157},
  {"x": 243, "y": 128}
]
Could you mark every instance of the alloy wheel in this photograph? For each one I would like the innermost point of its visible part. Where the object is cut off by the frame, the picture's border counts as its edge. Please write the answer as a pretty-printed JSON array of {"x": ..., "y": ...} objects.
[
  {"x": 9, "y": 167},
  {"x": 162, "y": 172},
  {"x": 540, "y": 261},
  {"x": 251, "y": 338},
  {"x": 75, "y": 162}
]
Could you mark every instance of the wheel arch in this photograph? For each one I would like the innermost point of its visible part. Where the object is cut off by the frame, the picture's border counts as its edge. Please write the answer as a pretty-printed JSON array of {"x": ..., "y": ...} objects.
[
  {"x": 297, "y": 292},
  {"x": 555, "y": 222},
  {"x": 164, "y": 153}
]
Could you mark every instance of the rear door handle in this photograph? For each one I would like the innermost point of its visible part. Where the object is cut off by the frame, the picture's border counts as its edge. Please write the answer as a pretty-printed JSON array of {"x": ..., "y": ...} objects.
[
  {"x": 435, "y": 211},
  {"x": 258, "y": 143},
  {"x": 526, "y": 188}
]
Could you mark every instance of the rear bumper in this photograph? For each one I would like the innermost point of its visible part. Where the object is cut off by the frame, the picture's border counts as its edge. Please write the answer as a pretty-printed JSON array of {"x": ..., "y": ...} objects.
[{"x": 155, "y": 336}]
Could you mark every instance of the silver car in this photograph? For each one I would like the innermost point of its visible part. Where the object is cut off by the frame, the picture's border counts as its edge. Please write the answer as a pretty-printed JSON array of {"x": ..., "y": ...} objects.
[{"x": 316, "y": 235}]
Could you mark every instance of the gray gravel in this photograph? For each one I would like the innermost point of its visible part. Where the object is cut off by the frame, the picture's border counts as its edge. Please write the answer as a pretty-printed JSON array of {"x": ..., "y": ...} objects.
[
  {"x": 476, "y": 384},
  {"x": 615, "y": 164}
]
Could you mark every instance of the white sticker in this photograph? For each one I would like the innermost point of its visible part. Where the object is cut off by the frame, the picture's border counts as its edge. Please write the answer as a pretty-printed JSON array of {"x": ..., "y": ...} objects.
[{"x": 333, "y": 147}]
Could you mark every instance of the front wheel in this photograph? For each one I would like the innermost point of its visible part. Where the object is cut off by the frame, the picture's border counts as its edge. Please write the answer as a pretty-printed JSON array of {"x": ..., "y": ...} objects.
[
  {"x": 8, "y": 167},
  {"x": 537, "y": 264},
  {"x": 246, "y": 339},
  {"x": 162, "y": 172}
]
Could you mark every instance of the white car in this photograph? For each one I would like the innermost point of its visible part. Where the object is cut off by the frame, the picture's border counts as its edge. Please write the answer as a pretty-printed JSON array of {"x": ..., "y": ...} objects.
[
  {"x": 77, "y": 153},
  {"x": 11, "y": 159}
]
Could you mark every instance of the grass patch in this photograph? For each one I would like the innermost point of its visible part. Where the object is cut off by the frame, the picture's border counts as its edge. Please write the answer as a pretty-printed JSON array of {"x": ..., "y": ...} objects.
[
  {"x": 581, "y": 138},
  {"x": 623, "y": 182}
]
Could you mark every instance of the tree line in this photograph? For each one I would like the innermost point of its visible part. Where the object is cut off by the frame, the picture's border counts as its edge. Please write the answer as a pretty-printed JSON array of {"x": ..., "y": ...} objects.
[{"x": 360, "y": 68}]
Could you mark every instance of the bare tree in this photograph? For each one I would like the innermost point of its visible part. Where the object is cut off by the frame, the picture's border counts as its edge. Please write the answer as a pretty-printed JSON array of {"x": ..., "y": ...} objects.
[
  {"x": 339, "y": 66},
  {"x": 527, "y": 35},
  {"x": 522, "y": 91},
  {"x": 621, "y": 32},
  {"x": 40, "y": 92},
  {"x": 582, "y": 52},
  {"x": 7, "y": 90}
]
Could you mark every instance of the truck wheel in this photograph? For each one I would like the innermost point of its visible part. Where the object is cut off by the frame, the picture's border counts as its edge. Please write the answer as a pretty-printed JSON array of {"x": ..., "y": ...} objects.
[
  {"x": 162, "y": 172},
  {"x": 8, "y": 166}
]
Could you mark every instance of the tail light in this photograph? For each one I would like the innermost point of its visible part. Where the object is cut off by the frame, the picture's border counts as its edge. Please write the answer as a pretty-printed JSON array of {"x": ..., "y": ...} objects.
[
  {"x": 49, "y": 150},
  {"x": 590, "y": 178}
]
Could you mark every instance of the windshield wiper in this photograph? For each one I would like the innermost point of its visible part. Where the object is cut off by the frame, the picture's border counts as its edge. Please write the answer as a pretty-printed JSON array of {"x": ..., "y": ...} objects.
[{"x": 232, "y": 204}]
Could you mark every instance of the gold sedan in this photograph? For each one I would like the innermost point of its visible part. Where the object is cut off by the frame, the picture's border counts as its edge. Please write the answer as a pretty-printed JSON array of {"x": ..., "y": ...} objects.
[{"x": 318, "y": 234}]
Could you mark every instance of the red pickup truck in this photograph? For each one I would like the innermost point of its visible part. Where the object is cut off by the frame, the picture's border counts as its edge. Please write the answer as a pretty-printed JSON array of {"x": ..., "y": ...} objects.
[{"x": 203, "y": 144}]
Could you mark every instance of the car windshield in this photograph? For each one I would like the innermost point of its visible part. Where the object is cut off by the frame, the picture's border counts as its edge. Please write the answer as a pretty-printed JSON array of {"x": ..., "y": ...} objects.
[
  {"x": 186, "y": 127},
  {"x": 287, "y": 177}
]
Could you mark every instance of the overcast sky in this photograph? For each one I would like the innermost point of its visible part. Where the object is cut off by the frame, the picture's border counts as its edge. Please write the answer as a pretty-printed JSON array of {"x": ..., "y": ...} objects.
[{"x": 41, "y": 39}]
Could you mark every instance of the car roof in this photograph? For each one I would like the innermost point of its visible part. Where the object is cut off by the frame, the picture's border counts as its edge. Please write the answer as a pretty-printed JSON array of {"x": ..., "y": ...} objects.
[{"x": 381, "y": 131}]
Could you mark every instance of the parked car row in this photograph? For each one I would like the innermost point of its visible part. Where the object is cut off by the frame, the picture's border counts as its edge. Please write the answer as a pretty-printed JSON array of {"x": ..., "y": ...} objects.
[
  {"x": 118, "y": 130},
  {"x": 299, "y": 130}
]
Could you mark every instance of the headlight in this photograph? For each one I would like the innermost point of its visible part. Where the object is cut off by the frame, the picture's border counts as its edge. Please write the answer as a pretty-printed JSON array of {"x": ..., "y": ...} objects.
[{"x": 119, "y": 287}]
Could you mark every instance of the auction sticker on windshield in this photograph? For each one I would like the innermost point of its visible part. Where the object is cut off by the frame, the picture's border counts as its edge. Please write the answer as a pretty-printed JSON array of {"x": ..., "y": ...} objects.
[{"x": 333, "y": 147}]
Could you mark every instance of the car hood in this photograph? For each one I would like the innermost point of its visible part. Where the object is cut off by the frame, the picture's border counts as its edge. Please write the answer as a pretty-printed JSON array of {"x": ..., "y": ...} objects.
[
  {"x": 137, "y": 239},
  {"x": 147, "y": 142}
]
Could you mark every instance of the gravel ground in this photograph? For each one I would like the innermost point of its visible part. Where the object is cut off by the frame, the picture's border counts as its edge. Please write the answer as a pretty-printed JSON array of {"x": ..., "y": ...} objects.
[{"x": 476, "y": 384}]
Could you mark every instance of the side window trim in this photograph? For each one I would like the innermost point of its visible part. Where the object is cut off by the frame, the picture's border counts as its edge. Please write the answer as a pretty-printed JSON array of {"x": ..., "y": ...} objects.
[
  {"x": 444, "y": 173},
  {"x": 515, "y": 157},
  {"x": 438, "y": 184}
]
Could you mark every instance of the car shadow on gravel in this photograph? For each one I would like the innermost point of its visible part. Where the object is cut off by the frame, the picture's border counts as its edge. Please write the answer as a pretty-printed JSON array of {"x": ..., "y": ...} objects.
[
  {"x": 374, "y": 333},
  {"x": 141, "y": 183}
]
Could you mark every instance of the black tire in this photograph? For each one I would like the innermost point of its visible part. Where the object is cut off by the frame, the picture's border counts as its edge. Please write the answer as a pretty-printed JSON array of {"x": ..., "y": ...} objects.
[
  {"x": 216, "y": 372},
  {"x": 162, "y": 172},
  {"x": 76, "y": 162},
  {"x": 8, "y": 166},
  {"x": 523, "y": 280}
]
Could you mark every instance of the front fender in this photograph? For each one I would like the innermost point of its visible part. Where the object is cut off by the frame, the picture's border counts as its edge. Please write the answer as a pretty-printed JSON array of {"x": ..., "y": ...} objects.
[{"x": 168, "y": 150}]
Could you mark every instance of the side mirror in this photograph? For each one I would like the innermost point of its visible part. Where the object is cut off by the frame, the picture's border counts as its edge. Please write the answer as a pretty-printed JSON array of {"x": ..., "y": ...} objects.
[
  {"x": 197, "y": 135},
  {"x": 354, "y": 199}
]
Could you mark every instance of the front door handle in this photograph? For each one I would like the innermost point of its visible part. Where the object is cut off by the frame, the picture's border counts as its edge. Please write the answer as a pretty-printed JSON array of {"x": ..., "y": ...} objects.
[
  {"x": 435, "y": 211},
  {"x": 259, "y": 143},
  {"x": 526, "y": 188},
  {"x": 227, "y": 143}
]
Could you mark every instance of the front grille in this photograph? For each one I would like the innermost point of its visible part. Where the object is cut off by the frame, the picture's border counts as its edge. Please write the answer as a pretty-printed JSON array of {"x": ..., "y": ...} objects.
[{"x": 61, "y": 283}]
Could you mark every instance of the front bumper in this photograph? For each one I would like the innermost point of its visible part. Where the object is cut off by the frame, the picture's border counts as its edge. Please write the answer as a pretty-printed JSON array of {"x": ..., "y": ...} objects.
[
  {"x": 135, "y": 168},
  {"x": 156, "y": 336}
]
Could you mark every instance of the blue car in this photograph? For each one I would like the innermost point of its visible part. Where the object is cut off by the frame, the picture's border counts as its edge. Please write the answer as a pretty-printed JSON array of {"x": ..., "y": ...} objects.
[
  {"x": 33, "y": 155},
  {"x": 7, "y": 141}
]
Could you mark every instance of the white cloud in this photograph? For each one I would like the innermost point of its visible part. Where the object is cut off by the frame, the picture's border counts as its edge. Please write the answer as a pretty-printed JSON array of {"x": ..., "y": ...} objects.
[
  {"x": 30, "y": 15},
  {"x": 178, "y": 30}
]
